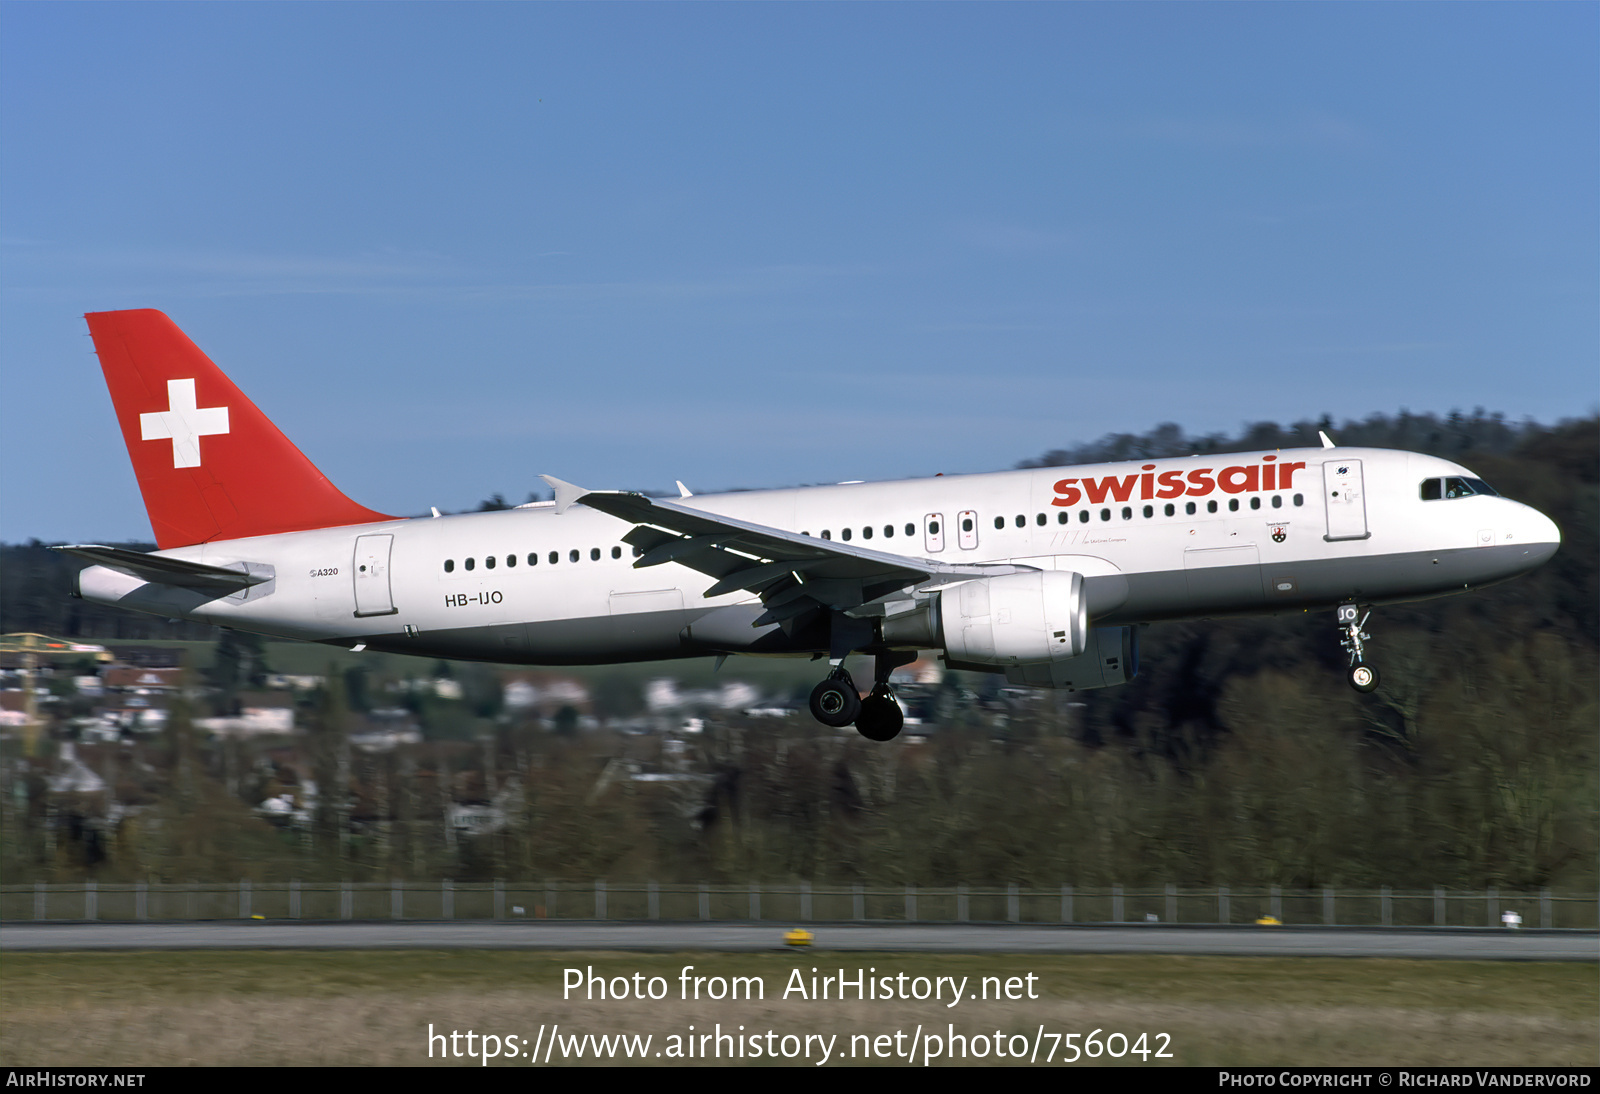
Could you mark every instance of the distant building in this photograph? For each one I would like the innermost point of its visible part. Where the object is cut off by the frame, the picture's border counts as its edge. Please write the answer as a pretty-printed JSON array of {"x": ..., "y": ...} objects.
[
  {"x": 543, "y": 691},
  {"x": 74, "y": 776},
  {"x": 16, "y": 649},
  {"x": 150, "y": 657},
  {"x": 260, "y": 712},
  {"x": 282, "y": 681},
  {"x": 139, "y": 678},
  {"x": 385, "y": 730},
  {"x": 663, "y": 694}
]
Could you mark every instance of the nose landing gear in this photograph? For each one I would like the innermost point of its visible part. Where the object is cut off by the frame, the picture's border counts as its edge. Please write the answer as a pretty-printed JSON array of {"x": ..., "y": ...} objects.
[{"x": 1353, "y": 637}]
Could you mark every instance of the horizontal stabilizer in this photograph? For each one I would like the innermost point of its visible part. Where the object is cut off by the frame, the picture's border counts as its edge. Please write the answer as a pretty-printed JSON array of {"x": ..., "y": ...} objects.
[{"x": 165, "y": 571}]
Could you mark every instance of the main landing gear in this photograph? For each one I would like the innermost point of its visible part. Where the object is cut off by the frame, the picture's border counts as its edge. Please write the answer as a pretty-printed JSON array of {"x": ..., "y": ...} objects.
[
  {"x": 880, "y": 718},
  {"x": 1353, "y": 637},
  {"x": 836, "y": 702}
]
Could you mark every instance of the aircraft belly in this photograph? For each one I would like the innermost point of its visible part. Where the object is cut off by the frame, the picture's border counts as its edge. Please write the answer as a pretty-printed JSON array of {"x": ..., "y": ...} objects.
[
  {"x": 1315, "y": 583},
  {"x": 595, "y": 640}
]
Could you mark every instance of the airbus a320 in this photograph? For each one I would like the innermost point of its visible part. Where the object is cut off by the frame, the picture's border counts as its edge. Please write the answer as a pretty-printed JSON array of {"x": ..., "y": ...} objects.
[{"x": 1042, "y": 574}]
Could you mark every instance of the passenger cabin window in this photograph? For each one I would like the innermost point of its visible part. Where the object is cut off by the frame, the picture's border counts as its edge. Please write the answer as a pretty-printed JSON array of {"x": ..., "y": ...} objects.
[
  {"x": 533, "y": 559},
  {"x": 1039, "y": 520},
  {"x": 488, "y": 563},
  {"x": 911, "y": 529},
  {"x": 1299, "y": 499},
  {"x": 1169, "y": 509},
  {"x": 888, "y": 531},
  {"x": 572, "y": 556},
  {"x": 471, "y": 563},
  {"x": 845, "y": 535},
  {"x": 1062, "y": 517},
  {"x": 616, "y": 552},
  {"x": 1189, "y": 508},
  {"x": 449, "y": 565},
  {"x": 866, "y": 532},
  {"x": 1127, "y": 512},
  {"x": 594, "y": 554},
  {"x": 1022, "y": 521},
  {"x": 1083, "y": 516},
  {"x": 1211, "y": 507},
  {"x": 999, "y": 522},
  {"x": 555, "y": 557}
]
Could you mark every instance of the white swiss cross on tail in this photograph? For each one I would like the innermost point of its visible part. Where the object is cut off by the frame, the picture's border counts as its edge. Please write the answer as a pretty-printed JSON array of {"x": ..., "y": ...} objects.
[{"x": 184, "y": 424}]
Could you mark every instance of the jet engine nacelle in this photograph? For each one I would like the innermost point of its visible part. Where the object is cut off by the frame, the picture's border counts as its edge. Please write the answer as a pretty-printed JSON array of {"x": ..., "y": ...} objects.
[
  {"x": 1111, "y": 658},
  {"x": 1018, "y": 619}
]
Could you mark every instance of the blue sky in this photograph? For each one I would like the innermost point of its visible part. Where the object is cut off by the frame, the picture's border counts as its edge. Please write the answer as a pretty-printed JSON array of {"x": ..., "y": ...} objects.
[{"x": 449, "y": 247}]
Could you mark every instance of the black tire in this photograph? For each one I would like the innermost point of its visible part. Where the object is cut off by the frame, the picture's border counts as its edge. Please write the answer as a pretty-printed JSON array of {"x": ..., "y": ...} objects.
[
  {"x": 880, "y": 718},
  {"x": 1364, "y": 678},
  {"x": 835, "y": 703}
]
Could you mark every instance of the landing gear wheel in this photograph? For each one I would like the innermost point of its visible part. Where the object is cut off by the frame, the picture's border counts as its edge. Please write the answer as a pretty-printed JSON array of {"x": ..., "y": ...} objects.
[
  {"x": 1363, "y": 678},
  {"x": 834, "y": 702},
  {"x": 1354, "y": 637},
  {"x": 880, "y": 718}
]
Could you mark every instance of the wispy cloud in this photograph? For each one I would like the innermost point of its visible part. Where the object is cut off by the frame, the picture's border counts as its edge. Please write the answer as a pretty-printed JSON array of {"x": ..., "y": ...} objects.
[
  {"x": 239, "y": 264},
  {"x": 38, "y": 267},
  {"x": 992, "y": 235},
  {"x": 1318, "y": 131},
  {"x": 1373, "y": 349}
]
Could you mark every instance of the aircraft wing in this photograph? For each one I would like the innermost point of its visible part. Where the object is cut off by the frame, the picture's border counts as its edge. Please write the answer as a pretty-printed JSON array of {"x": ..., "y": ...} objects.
[
  {"x": 165, "y": 571},
  {"x": 791, "y": 573}
]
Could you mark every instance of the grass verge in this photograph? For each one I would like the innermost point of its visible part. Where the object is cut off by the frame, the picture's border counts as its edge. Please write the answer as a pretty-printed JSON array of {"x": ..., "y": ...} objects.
[{"x": 365, "y": 1007}]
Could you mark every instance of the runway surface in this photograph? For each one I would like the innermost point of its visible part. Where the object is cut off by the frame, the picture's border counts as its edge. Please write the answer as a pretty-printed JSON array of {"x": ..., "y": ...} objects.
[{"x": 1447, "y": 943}]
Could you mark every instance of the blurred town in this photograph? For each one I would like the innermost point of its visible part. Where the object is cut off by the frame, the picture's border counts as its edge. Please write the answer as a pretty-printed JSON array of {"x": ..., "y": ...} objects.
[{"x": 134, "y": 749}]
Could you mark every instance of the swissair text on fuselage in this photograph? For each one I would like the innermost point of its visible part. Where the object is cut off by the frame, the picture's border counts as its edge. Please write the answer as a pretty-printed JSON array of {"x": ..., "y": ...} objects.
[{"x": 1238, "y": 479}]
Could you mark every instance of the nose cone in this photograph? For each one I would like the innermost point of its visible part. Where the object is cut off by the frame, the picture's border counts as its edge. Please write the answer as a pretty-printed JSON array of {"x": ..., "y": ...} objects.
[{"x": 1538, "y": 535}]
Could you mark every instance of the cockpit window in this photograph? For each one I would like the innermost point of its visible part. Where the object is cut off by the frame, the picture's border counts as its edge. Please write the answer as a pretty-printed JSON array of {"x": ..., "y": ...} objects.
[{"x": 1435, "y": 489}]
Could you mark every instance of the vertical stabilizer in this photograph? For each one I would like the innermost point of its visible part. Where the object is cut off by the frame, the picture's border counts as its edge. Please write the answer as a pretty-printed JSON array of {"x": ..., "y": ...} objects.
[{"x": 210, "y": 465}]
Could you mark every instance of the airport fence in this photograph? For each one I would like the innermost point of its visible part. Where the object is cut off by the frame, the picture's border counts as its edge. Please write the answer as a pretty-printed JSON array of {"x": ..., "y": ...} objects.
[{"x": 795, "y": 902}]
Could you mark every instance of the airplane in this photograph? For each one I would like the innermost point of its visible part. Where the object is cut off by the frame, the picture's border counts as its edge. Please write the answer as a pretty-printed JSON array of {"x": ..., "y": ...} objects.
[{"x": 1043, "y": 574}]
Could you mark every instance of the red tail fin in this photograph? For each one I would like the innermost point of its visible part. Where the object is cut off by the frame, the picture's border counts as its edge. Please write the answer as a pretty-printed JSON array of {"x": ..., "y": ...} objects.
[{"x": 210, "y": 465}]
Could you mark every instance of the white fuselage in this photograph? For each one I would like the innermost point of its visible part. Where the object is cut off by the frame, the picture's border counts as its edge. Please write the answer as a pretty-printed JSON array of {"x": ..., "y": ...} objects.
[{"x": 531, "y": 585}]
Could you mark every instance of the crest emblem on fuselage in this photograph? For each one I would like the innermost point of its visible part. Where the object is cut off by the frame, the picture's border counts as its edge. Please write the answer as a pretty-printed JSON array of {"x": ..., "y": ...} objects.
[{"x": 1280, "y": 532}]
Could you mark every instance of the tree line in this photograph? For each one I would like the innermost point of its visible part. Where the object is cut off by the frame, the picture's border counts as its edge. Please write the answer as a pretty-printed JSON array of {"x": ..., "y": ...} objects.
[{"x": 1238, "y": 756}]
